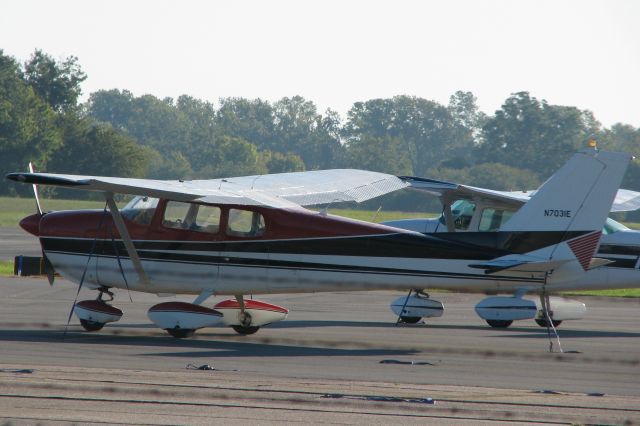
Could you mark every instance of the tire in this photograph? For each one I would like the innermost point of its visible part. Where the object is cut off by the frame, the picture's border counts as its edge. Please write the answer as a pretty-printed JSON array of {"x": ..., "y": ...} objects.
[
  {"x": 91, "y": 325},
  {"x": 542, "y": 322},
  {"x": 242, "y": 330},
  {"x": 499, "y": 323},
  {"x": 180, "y": 333},
  {"x": 410, "y": 320}
]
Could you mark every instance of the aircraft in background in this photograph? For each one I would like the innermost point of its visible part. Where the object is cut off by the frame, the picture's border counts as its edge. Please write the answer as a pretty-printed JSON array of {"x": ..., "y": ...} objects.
[
  {"x": 472, "y": 209},
  {"x": 252, "y": 235}
]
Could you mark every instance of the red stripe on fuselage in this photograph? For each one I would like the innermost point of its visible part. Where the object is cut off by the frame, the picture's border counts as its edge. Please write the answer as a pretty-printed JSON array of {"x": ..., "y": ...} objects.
[{"x": 280, "y": 224}]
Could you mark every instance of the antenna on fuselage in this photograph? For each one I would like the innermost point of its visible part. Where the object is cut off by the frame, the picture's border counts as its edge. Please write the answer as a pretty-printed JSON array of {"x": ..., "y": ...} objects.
[{"x": 375, "y": 215}]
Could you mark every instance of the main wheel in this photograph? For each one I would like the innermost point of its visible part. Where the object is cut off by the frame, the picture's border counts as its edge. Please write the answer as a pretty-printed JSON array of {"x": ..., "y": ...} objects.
[
  {"x": 410, "y": 320},
  {"x": 240, "y": 329},
  {"x": 180, "y": 333},
  {"x": 499, "y": 323},
  {"x": 91, "y": 325},
  {"x": 542, "y": 322}
]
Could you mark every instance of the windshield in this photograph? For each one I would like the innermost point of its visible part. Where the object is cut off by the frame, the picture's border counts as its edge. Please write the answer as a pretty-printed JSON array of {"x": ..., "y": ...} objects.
[
  {"x": 611, "y": 227},
  {"x": 140, "y": 210},
  {"x": 462, "y": 211}
]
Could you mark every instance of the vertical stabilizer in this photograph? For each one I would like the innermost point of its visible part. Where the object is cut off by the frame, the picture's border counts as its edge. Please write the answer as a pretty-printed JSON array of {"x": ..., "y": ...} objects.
[
  {"x": 570, "y": 208},
  {"x": 578, "y": 197}
]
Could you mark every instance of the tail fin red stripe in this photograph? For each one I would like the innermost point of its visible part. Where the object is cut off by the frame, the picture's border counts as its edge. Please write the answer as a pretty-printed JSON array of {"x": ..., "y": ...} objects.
[{"x": 584, "y": 248}]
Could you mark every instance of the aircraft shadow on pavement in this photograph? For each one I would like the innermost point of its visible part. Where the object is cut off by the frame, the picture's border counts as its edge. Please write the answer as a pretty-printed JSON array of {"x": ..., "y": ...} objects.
[
  {"x": 533, "y": 331},
  {"x": 204, "y": 345}
]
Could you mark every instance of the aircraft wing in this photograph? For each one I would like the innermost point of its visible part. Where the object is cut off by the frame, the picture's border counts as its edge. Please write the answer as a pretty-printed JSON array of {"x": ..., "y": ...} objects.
[
  {"x": 274, "y": 190},
  {"x": 626, "y": 200}
]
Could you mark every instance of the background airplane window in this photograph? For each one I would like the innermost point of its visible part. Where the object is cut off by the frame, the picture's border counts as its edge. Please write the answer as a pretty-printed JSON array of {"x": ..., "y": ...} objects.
[
  {"x": 492, "y": 219},
  {"x": 611, "y": 226},
  {"x": 140, "y": 210},
  {"x": 245, "y": 223},
  {"x": 462, "y": 211}
]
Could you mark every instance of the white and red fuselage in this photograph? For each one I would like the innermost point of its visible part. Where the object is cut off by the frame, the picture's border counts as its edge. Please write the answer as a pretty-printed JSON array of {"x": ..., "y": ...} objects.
[{"x": 297, "y": 251}]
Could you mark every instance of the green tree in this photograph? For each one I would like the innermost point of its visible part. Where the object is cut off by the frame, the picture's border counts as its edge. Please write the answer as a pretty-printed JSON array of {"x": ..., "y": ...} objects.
[
  {"x": 231, "y": 156},
  {"x": 111, "y": 106},
  {"x": 464, "y": 110},
  {"x": 620, "y": 137},
  {"x": 28, "y": 130},
  {"x": 58, "y": 83},
  {"x": 199, "y": 122},
  {"x": 528, "y": 133},
  {"x": 172, "y": 165},
  {"x": 300, "y": 129},
  {"x": 381, "y": 154},
  {"x": 276, "y": 162},
  {"x": 251, "y": 120},
  {"x": 427, "y": 131},
  {"x": 490, "y": 175},
  {"x": 98, "y": 149}
]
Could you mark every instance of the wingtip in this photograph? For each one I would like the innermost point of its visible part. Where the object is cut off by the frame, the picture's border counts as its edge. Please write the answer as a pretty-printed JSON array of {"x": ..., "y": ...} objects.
[{"x": 18, "y": 177}]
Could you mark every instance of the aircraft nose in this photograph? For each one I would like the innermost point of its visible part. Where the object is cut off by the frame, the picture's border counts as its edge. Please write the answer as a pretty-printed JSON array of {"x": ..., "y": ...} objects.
[{"x": 31, "y": 224}]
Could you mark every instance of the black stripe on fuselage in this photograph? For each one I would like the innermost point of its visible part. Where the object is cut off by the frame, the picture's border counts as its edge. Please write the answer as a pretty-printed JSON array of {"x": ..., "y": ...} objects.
[
  {"x": 446, "y": 245},
  {"x": 235, "y": 262},
  {"x": 619, "y": 249}
]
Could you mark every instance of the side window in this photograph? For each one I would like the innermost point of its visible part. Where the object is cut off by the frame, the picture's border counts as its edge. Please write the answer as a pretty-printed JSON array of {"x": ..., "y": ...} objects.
[
  {"x": 492, "y": 219},
  {"x": 175, "y": 214},
  {"x": 193, "y": 217},
  {"x": 245, "y": 223},
  {"x": 208, "y": 219}
]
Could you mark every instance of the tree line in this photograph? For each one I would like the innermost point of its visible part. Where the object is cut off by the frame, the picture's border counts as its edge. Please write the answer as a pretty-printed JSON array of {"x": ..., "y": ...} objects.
[{"x": 115, "y": 133}]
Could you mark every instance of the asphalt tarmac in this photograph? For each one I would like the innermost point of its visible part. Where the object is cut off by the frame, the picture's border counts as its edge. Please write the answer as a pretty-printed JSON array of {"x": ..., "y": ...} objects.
[
  {"x": 337, "y": 358},
  {"x": 15, "y": 241}
]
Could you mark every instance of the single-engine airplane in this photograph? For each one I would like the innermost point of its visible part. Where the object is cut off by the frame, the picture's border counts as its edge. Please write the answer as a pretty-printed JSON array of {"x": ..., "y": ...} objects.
[{"x": 251, "y": 235}]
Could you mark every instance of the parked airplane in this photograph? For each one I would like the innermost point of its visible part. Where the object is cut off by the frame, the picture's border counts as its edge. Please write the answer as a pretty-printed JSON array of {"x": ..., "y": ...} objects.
[
  {"x": 479, "y": 210},
  {"x": 251, "y": 235}
]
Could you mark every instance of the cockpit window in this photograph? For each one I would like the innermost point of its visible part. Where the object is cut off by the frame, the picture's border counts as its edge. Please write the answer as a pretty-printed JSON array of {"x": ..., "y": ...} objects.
[
  {"x": 140, "y": 210},
  {"x": 462, "y": 211},
  {"x": 245, "y": 223},
  {"x": 194, "y": 217},
  {"x": 611, "y": 227}
]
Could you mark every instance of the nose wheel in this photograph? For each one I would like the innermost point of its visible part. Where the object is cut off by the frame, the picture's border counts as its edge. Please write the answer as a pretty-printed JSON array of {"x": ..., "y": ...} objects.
[
  {"x": 94, "y": 314},
  {"x": 91, "y": 325}
]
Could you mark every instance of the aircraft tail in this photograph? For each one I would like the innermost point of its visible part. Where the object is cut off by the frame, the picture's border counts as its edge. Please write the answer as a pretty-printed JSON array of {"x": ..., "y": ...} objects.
[
  {"x": 578, "y": 197},
  {"x": 569, "y": 211}
]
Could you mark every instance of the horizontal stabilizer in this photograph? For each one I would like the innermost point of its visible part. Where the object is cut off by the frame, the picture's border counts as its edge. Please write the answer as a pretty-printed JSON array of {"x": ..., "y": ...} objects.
[
  {"x": 598, "y": 261},
  {"x": 518, "y": 265}
]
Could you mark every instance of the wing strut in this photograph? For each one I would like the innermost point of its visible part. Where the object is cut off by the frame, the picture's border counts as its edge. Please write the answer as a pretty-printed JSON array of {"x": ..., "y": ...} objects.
[{"x": 126, "y": 239}]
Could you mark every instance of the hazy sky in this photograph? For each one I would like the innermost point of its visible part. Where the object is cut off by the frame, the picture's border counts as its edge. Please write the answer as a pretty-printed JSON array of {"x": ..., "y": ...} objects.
[{"x": 581, "y": 53}]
